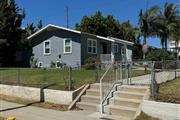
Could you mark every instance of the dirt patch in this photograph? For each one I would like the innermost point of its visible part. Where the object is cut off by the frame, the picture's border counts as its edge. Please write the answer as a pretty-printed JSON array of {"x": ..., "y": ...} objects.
[
  {"x": 144, "y": 116},
  {"x": 47, "y": 105},
  {"x": 1, "y": 118},
  {"x": 170, "y": 98}
]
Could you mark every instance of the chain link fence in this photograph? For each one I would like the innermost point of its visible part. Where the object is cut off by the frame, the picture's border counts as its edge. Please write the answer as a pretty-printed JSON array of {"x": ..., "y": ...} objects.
[
  {"x": 164, "y": 71},
  {"x": 66, "y": 78}
]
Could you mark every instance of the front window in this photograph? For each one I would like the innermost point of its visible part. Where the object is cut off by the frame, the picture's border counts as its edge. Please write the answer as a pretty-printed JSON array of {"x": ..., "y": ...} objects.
[
  {"x": 123, "y": 51},
  {"x": 47, "y": 47},
  {"x": 92, "y": 46},
  {"x": 68, "y": 45}
]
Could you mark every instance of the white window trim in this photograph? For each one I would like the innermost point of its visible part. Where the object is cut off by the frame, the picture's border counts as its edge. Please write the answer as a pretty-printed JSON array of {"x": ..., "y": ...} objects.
[
  {"x": 117, "y": 48},
  {"x": 90, "y": 39},
  {"x": 69, "y": 46},
  {"x": 45, "y": 48},
  {"x": 41, "y": 64}
]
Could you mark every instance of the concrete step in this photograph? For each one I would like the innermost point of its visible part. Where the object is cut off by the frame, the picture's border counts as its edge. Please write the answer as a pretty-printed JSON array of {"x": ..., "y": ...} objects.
[
  {"x": 115, "y": 117},
  {"x": 134, "y": 103},
  {"x": 97, "y": 86},
  {"x": 95, "y": 92},
  {"x": 129, "y": 95},
  {"x": 138, "y": 89},
  {"x": 90, "y": 99},
  {"x": 122, "y": 111},
  {"x": 88, "y": 106}
]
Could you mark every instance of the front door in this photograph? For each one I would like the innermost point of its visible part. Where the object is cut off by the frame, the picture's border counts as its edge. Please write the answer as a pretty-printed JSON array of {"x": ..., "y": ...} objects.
[{"x": 103, "y": 47}]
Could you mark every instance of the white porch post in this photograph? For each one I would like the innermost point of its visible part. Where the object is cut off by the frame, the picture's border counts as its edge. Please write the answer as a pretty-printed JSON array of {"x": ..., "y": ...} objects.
[{"x": 112, "y": 51}]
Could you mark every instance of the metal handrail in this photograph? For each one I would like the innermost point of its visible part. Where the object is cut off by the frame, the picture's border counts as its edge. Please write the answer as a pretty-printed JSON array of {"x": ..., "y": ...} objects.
[{"x": 101, "y": 92}]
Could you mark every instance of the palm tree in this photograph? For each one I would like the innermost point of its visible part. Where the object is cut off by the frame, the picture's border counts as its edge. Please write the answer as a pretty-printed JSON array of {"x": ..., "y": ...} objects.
[
  {"x": 147, "y": 22},
  {"x": 166, "y": 22},
  {"x": 129, "y": 32}
]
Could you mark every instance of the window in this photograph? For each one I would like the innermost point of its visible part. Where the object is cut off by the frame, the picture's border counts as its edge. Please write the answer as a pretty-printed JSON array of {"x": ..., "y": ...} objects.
[
  {"x": 123, "y": 51},
  {"x": 116, "y": 48},
  {"x": 47, "y": 47},
  {"x": 40, "y": 64},
  {"x": 92, "y": 46},
  {"x": 67, "y": 45}
]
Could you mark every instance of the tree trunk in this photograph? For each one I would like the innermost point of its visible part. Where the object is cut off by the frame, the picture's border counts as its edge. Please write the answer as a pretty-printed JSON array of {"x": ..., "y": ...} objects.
[{"x": 166, "y": 40}]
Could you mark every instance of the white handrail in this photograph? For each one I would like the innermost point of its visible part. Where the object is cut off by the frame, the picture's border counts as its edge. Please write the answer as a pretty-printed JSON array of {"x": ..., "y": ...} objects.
[{"x": 101, "y": 95}]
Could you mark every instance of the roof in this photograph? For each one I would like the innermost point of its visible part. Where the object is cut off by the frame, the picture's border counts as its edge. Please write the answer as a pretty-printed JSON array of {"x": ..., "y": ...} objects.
[
  {"x": 121, "y": 41},
  {"x": 51, "y": 26}
]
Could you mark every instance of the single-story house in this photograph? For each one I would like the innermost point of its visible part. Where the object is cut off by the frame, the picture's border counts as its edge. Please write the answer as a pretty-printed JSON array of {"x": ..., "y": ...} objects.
[{"x": 58, "y": 44}]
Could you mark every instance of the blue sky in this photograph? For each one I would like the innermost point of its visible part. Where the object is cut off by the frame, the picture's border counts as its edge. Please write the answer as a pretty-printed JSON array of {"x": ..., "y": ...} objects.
[{"x": 53, "y": 11}]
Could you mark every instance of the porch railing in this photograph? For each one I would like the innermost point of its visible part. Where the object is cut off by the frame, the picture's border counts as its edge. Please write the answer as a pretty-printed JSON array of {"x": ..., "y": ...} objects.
[{"x": 105, "y": 58}]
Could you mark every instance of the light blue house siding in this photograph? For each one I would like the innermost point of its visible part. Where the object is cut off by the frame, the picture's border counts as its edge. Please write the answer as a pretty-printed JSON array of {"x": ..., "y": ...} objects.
[{"x": 56, "y": 38}]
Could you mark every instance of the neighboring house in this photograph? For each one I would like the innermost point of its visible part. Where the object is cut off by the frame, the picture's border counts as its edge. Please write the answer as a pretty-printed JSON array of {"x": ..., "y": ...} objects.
[
  {"x": 172, "y": 47},
  {"x": 58, "y": 44}
]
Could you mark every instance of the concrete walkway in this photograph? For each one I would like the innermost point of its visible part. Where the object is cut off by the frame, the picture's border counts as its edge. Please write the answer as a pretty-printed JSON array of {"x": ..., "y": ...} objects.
[
  {"x": 160, "y": 77},
  {"x": 35, "y": 113}
]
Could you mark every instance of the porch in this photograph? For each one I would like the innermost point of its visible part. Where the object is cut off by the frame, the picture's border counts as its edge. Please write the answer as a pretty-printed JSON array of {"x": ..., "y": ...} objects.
[{"x": 115, "y": 50}]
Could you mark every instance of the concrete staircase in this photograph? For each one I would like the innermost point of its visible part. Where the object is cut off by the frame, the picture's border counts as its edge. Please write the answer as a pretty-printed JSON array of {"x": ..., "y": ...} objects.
[
  {"x": 91, "y": 100},
  {"x": 124, "y": 105},
  {"x": 126, "y": 102}
]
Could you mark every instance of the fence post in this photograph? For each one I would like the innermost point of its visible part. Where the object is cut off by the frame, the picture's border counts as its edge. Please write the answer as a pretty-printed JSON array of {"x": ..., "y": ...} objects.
[
  {"x": 121, "y": 72},
  {"x": 116, "y": 71},
  {"x": 70, "y": 79},
  {"x": 97, "y": 72},
  {"x": 175, "y": 69},
  {"x": 18, "y": 76},
  {"x": 152, "y": 79}
]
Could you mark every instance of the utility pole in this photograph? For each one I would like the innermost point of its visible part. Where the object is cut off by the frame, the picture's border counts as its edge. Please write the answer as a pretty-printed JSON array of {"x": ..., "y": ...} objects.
[{"x": 67, "y": 17}]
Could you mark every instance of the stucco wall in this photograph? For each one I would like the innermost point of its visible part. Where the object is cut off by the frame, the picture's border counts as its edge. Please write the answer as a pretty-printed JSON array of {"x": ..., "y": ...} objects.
[{"x": 53, "y": 96}]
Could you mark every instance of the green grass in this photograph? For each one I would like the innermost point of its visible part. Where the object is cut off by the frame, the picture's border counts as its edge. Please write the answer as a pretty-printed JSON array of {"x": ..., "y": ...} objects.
[
  {"x": 169, "y": 91},
  {"x": 43, "y": 77}
]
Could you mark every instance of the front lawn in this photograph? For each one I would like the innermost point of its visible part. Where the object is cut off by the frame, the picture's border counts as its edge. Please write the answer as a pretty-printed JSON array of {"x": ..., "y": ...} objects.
[
  {"x": 58, "y": 77},
  {"x": 169, "y": 91},
  {"x": 43, "y": 77}
]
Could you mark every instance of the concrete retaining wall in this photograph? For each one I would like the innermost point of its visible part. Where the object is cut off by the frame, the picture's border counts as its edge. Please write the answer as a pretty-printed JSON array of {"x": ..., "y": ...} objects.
[
  {"x": 53, "y": 96},
  {"x": 164, "y": 111}
]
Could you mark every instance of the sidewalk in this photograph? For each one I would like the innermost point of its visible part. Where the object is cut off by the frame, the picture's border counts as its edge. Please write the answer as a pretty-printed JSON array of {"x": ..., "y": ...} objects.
[{"x": 35, "y": 113}]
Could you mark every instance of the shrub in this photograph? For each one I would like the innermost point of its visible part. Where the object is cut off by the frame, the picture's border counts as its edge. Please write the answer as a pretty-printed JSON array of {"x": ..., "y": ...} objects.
[
  {"x": 90, "y": 63},
  {"x": 159, "y": 54},
  {"x": 33, "y": 62},
  {"x": 53, "y": 64}
]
